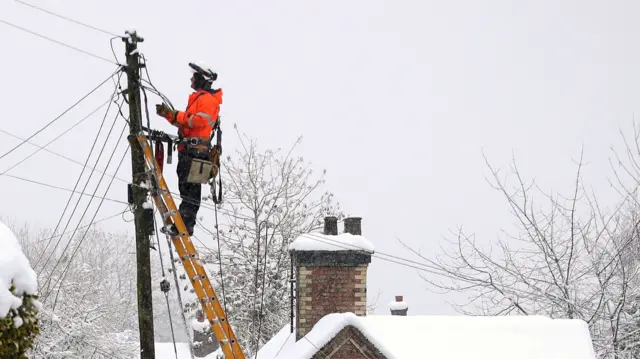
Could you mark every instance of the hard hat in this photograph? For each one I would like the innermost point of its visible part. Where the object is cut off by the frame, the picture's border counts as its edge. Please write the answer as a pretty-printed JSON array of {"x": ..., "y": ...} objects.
[{"x": 203, "y": 69}]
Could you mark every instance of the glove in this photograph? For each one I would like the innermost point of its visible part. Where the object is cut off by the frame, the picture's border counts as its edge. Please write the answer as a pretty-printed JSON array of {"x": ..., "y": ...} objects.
[{"x": 164, "y": 111}]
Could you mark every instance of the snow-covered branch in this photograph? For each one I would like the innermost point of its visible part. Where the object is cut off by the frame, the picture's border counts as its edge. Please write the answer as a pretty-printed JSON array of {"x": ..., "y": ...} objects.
[{"x": 568, "y": 258}]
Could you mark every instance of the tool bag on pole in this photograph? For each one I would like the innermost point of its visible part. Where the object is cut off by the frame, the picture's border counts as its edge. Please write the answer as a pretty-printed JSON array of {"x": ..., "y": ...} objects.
[{"x": 159, "y": 154}]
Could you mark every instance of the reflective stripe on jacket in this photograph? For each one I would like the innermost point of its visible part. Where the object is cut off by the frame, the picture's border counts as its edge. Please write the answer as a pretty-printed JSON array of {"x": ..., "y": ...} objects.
[{"x": 200, "y": 116}]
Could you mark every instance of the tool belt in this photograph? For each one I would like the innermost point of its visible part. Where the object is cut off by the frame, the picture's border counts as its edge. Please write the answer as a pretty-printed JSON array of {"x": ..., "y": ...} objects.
[
  {"x": 195, "y": 141},
  {"x": 203, "y": 165}
]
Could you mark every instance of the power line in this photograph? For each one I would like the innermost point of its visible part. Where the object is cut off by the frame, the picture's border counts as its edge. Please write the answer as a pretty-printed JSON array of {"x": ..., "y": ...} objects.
[
  {"x": 94, "y": 192},
  {"x": 173, "y": 194},
  {"x": 153, "y": 89},
  {"x": 60, "y": 188},
  {"x": 57, "y": 118},
  {"x": 59, "y": 42},
  {"x": 76, "y": 186},
  {"x": 65, "y": 271},
  {"x": 68, "y": 19},
  {"x": 50, "y": 142},
  {"x": 89, "y": 225},
  {"x": 97, "y": 186},
  {"x": 399, "y": 260}
]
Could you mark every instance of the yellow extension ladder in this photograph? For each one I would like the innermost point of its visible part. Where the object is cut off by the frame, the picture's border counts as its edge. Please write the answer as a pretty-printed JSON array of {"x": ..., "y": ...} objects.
[{"x": 191, "y": 261}]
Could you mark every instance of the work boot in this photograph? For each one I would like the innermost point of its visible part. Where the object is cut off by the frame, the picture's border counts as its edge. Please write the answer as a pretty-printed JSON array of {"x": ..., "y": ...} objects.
[
  {"x": 170, "y": 230},
  {"x": 173, "y": 231}
]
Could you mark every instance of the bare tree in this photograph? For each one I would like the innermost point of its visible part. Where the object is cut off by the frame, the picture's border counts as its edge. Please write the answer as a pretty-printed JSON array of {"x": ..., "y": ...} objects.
[
  {"x": 568, "y": 258},
  {"x": 89, "y": 299},
  {"x": 270, "y": 199}
]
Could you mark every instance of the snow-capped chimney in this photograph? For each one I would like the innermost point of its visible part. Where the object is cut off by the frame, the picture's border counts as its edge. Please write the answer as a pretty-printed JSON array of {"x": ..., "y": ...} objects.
[
  {"x": 202, "y": 335},
  {"x": 331, "y": 273},
  {"x": 331, "y": 226},
  {"x": 399, "y": 307},
  {"x": 353, "y": 225}
]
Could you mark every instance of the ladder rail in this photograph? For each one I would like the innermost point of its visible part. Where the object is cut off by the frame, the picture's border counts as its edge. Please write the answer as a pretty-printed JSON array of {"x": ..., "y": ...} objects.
[{"x": 191, "y": 260}]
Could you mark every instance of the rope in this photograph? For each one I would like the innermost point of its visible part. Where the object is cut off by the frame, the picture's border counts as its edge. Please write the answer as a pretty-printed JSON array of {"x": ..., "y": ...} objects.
[
  {"x": 224, "y": 297},
  {"x": 253, "y": 324},
  {"x": 175, "y": 276},
  {"x": 264, "y": 275},
  {"x": 166, "y": 294}
]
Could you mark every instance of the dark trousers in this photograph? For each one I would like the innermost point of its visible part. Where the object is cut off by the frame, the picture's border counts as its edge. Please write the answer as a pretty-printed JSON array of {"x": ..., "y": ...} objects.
[{"x": 190, "y": 193}]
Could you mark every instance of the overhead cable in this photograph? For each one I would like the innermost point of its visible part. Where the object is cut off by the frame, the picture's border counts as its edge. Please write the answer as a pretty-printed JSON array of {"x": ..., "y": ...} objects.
[
  {"x": 67, "y": 18},
  {"x": 60, "y": 116},
  {"x": 59, "y": 42}
]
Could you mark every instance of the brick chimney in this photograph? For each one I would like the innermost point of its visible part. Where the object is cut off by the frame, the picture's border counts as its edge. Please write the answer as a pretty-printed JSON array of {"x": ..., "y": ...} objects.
[
  {"x": 331, "y": 273},
  {"x": 399, "y": 307}
]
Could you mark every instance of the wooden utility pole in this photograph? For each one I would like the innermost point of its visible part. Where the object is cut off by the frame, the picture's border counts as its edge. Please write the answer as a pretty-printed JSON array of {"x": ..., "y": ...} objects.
[{"x": 139, "y": 194}]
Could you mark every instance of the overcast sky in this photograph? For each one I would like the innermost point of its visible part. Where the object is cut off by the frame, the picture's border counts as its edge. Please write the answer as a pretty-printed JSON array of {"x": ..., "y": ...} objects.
[{"x": 396, "y": 99}]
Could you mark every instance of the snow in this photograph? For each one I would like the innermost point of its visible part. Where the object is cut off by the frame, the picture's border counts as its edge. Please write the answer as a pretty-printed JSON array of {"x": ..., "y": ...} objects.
[
  {"x": 277, "y": 345},
  {"x": 402, "y": 305},
  {"x": 199, "y": 327},
  {"x": 446, "y": 337},
  {"x": 14, "y": 267},
  {"x": 167, "y": 351},
  {"x": 147, "y": 205},
  {"x": 323, "y": 242}
]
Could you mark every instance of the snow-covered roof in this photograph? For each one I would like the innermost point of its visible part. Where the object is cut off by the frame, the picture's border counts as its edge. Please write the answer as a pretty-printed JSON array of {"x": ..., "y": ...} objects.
[
  {"x": 14, "y": 267},
  {"x": 323, "y": 242},
  {"x": 445, "y": 337}
]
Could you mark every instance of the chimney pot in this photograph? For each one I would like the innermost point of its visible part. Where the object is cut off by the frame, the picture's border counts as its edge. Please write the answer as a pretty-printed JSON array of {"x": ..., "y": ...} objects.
[
  {"x": 353, "y": 225},
  {"x": 331, "y": 226},
  {"x": 399, "y": 307}
]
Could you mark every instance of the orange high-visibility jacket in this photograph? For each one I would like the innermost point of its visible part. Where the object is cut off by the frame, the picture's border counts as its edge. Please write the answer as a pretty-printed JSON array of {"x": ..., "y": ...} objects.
[{"x": 200, "y": 116}]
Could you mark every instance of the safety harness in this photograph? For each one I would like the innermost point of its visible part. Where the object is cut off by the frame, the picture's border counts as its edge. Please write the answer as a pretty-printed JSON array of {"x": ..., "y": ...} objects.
[
  {"x": 214, "y": 157},
  {"x": 201, "y": 171}
]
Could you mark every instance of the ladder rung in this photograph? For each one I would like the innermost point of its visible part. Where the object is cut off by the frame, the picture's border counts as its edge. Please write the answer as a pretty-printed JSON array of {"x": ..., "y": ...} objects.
[
  {"x": 190, "y": 256},
  {"x": 169, "y": 214},
  {"x": 208, "y": 300}
]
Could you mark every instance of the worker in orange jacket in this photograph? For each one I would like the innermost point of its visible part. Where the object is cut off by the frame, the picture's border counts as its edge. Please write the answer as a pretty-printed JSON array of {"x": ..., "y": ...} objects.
[{"x": 195, "y": 126}]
